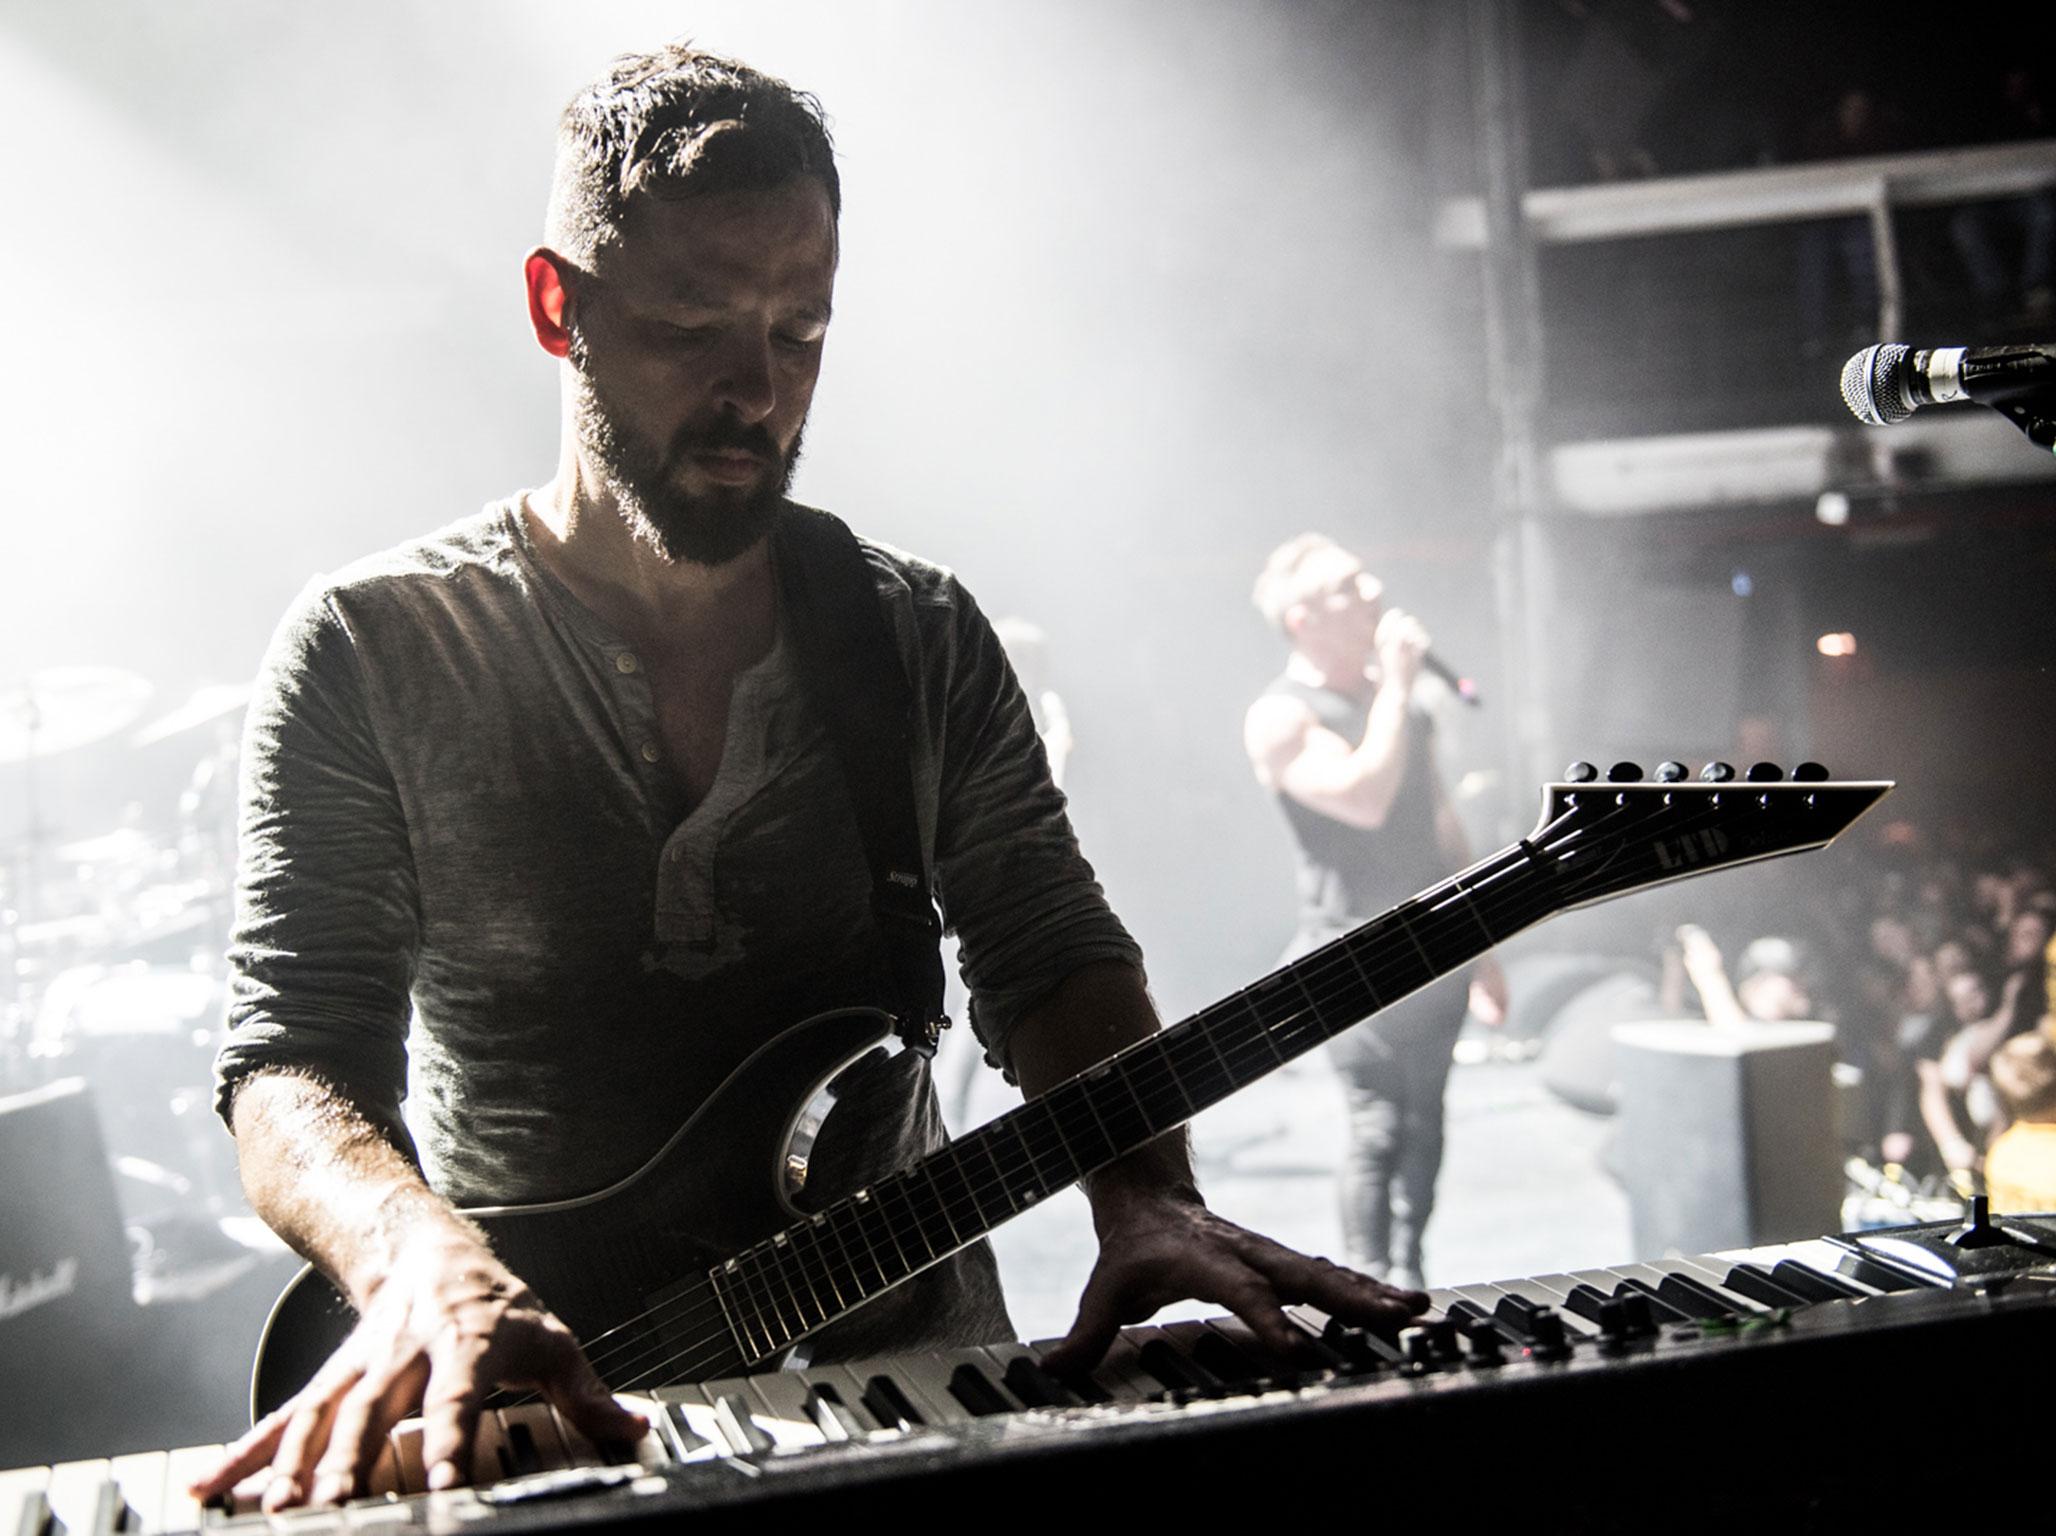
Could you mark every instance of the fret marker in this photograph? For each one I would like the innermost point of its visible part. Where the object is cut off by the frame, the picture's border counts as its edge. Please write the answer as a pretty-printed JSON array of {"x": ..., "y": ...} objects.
[
  {"x": 778, "y": 1241},
  {"x": 862, "y": 1195},
  {"x": 1028, "y": 1196}
]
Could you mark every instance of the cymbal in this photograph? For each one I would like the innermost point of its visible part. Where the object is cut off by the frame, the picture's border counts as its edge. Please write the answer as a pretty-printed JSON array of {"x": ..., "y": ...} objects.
[
  {"x": 212, "y": 702},
  {"x": 61, "y": 708}
]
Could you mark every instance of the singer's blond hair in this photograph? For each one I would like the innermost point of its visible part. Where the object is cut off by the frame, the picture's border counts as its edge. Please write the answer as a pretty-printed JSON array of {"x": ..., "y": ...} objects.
[{"x": 1285, "y": 578}]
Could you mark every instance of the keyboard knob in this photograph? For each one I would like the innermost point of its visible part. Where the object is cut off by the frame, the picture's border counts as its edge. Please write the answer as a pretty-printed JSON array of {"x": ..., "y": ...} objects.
[
  {"x": 1809, "y": 773},
  {"x": 1546, "y": 1337},
  {"x": 1765, "y": 773},
  {"x": 1625, "y": 1318},
  {"x": 1443, "y": 1345},
  {"x": 1488, "y": 1345},
  {"x": 1416, "y": 1350},
  {"x": 1624, "y": 773},
  {"x": 1580, "y": 773},
  {"x": 1668, "y": 772},
  {"x": 1716, "y": 773}
]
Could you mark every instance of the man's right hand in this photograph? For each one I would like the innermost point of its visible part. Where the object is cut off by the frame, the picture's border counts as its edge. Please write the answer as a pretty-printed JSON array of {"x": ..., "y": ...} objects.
[{"x": 436, "y": 1336}]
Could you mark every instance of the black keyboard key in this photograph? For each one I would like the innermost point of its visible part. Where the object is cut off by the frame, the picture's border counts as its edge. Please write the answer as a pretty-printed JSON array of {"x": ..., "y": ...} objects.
[
  {"x": 1754, "y": 1281},
  {"x": 1665, "y": 1311},
  {"x": 1466, "y": 1314},
  {"x": 1161, "y": 1359},
  {"x": 830, "y": 1414},
  {"x": 1699, "y": 1301},
  {"x": 1365, "y": 1351},
  {"x": 1028, "y": 1381},
  {"x": 1517, "y": 1315},
  {"x": 520, "y": 1453},
  {"x": 1217, "y": 1353},
  {"x": 976, "y": 1391},
  {"x": 1318, "y": 1351},
  {"x": 1586, "y": 1300},
  {"x": 886, "y": 1403},
  {"x": 1812, "y": 1283}
]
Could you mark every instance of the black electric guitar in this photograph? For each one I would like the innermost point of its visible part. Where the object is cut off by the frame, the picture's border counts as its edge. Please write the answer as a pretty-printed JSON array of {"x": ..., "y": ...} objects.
[{"x": 663, "y": 1284}]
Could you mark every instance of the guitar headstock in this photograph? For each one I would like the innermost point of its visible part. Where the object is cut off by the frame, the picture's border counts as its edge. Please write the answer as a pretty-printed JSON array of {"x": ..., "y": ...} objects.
[{"x": 1607, "y": 835}]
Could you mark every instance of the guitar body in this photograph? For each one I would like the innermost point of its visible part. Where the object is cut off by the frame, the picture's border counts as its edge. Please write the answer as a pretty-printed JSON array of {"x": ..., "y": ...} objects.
[{"x": 623, "y": 1253}]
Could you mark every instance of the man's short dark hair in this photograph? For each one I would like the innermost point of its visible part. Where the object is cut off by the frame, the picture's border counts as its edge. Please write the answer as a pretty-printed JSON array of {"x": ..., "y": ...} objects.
[{"x": 678, "y": 123}]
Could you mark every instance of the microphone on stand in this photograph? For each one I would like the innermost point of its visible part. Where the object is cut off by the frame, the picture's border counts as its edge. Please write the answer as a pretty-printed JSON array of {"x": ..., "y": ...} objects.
[{"x": 1883, "y": 385}]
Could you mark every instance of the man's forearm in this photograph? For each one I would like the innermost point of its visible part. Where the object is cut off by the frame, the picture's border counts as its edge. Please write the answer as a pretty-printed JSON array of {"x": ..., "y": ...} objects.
[
  {"x": 1093, "y": 1013},
  {"x": 333, "y": 1185},
  {"x": 1380, "y": 758}
]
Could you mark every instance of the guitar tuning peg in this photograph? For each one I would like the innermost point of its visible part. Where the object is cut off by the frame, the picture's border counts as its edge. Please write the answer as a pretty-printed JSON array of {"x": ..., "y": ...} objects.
[
  {"x": 1809, "y": 773},
  {"x": 1624, "y": 773},
  {"x": 1668, "y": 772},
  {"x": 1716, "y": 773},
  {"x": 1580, "y": 773},
  {"x": 1765, "y": 773}
]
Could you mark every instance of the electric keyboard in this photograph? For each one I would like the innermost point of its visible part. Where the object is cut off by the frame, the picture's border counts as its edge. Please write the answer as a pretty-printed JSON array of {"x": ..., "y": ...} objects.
[{"x": 1802, "y": 1381}]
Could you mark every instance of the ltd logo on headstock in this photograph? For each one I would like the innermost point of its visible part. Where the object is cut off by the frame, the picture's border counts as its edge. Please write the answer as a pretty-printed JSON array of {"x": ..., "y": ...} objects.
[{"x": 1708, "y": 845}]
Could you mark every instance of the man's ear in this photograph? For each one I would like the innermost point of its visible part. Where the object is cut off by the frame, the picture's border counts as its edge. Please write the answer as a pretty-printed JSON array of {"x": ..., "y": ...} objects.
[
  {"x": 549, "y": 300},
  {"x": 1294, "y": 619}
]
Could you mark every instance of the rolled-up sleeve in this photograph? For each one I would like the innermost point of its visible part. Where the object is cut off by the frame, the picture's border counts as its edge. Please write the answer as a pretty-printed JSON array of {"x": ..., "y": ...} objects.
[
  {"x": 327, "y": 921},
  {"x": 1024, "y": 902}
]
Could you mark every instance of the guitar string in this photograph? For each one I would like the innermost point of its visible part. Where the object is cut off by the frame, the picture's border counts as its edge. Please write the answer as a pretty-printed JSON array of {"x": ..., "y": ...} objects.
[
  {"x": 1456, "y": 907},
  {"x": 1457, "y": 901}
]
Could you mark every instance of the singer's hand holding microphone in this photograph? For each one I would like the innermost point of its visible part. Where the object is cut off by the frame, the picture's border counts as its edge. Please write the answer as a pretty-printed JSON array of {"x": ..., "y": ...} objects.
[
  {"x": 1402, "y": 645},
  {"x": 1409, "y": 655}
]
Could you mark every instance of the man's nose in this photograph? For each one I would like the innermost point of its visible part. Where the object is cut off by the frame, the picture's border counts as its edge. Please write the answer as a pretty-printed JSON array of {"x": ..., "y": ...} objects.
[{"x": 746, "y": 382}]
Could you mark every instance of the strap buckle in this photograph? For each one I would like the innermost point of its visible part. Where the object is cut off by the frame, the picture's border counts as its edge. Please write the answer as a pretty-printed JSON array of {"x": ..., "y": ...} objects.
[{"x": 919, "y": 1036}]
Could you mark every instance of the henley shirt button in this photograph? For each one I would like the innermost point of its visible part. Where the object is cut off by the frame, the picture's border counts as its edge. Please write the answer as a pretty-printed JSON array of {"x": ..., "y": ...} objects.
[
  {"x": 649, "y": 752},
  {"x": 625, "y": 662}
]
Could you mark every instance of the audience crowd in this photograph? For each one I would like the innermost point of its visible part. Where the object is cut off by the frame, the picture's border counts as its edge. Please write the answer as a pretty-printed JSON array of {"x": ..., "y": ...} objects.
[{"x": 1933, "y": 965}]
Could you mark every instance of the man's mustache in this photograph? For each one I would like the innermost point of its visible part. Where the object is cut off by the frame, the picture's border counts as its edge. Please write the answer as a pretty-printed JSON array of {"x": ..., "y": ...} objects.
[{"x": 725, "y": 435}]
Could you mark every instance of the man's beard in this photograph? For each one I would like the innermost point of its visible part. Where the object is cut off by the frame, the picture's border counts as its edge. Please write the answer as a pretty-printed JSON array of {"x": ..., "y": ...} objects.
[{"x": 710, "y": 527}]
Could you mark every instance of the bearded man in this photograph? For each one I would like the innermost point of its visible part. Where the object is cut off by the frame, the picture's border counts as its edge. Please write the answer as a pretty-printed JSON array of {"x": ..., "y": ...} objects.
[{"x": 554, "y": 784}]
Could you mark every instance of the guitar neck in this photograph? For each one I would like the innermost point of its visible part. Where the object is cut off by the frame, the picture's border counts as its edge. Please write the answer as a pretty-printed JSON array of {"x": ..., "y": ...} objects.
[
  {"x": 818, "y": 1269},
  {"x": 1595, "y": 841}
]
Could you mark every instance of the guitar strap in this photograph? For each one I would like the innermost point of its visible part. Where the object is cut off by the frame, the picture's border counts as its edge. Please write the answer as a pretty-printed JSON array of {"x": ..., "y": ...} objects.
[{"x": 852, "y": 670}]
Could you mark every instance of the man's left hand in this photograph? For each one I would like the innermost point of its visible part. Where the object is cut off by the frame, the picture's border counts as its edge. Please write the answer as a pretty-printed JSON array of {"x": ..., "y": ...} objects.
[{"x": 1162, "y": 1248}]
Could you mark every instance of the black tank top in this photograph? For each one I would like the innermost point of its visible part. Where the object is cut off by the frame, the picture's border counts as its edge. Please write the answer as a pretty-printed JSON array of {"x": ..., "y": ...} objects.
[{"x": 1350, "y": 874}]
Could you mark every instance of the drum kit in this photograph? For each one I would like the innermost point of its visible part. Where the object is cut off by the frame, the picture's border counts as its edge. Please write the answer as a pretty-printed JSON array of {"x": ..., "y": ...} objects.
[{"x": 113, "y": 923}]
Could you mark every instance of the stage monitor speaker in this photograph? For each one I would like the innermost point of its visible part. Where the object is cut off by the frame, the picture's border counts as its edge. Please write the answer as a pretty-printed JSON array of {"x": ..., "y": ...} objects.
[
  {"x": 1727, "y": 1135},
  {"x": 66, "y": 1292}
]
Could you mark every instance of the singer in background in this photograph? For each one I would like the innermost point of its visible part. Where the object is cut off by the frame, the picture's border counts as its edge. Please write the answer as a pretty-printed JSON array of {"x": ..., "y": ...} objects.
[{"x": 1341, "y": 741}]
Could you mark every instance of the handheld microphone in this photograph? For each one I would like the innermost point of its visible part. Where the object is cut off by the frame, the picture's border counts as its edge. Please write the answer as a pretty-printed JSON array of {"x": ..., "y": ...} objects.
[
  {"x": 1883, "y": 385},
  {"x": 1461, "y": 686}
]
